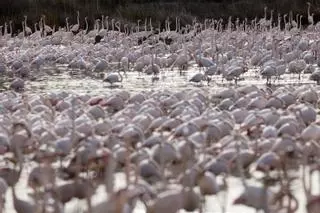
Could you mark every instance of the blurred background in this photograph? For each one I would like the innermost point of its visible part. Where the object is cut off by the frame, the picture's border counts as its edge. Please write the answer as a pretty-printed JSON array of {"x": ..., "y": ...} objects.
[{"x": 129, "y": 11}]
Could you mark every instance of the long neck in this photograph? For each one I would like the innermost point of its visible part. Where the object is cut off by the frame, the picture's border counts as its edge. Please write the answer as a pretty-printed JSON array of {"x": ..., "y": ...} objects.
[
  {"x": 102, "y": 22},
  {"x": 23, "y": 28},
  {"x": 150, "y": 23},
  {"x": 25, "y": 22},
  {"x": 176, "y": 24},
  {"x": 87, "y": 25},
  {"x": 300, "y": 21},
  {"x": 118, "y": 26},
  {"x": 67, "y": 24},
  {"x": 44, "y": 26},
  {"x": 308, "y": 10},
  {"x": 95, "y": 25},
  {"x": 5, "y": 29},
  {"x": 138, "y": 26},
  {"x": 10, "y": 27},
  {"x": 245, "y": 24},
  {"x": 40, "y": 25},
  {"x": 159, "y": 26},
  {"x": 78, "y": 18},
  {"x": 145, "y": 25}
]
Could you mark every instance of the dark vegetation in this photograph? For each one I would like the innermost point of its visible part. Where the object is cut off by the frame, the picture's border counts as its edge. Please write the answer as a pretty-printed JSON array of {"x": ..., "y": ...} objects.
[{"x": 131, "y": 10}]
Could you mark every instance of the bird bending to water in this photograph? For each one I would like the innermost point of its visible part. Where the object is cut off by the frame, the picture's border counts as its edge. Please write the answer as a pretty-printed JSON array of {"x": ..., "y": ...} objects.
[
  {"x": 113, "y": 78},
  {"x": 197, "y": 78}
]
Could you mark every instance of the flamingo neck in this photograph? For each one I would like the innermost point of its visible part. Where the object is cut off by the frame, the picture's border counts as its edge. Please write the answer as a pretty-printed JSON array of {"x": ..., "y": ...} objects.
[
  {"x": 67, "y": 25},
  {"x": 25, "y": 22},
  {"x": 145, "y": 25},
  {"x": 23, "y": 28},
  {"x": 138, "y": 26},
  {"x": 176, "y": 24},
  {"x": 10, "y": 27},
  {"x": 300, "y": 22},
  {"x": 87, "y": 26},
  {"x": 102, "y": 22},
  {"x": 265, "y": 13},
  {"x": 5, "y": 29}
]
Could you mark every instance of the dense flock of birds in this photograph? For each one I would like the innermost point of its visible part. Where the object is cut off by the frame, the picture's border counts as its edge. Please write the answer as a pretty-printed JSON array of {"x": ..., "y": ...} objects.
[
  {"x": 228, "y": 49},
  {"x": 175, "y": 148}
]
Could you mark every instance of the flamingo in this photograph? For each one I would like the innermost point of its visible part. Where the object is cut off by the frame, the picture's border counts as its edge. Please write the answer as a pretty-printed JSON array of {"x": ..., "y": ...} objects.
[
  {"x": 310, "y": 17},
  {"x": 75, "y": 28},
  {"x": 27, "y": 30},
  {"x": 47, "y": 29},
  {"x": 113, "y": 78},
  {"x": 197, "y": 78}
]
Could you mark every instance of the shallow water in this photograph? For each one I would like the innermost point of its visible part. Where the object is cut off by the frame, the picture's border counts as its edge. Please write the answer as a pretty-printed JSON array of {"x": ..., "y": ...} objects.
[
  {"x": 134, "y": 82},
  {"x": 169, "y": 80}
]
